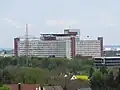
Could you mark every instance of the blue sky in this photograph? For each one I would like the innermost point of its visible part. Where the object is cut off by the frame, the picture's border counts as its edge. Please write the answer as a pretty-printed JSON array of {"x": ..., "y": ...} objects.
[{"x": 93, "y": 17}]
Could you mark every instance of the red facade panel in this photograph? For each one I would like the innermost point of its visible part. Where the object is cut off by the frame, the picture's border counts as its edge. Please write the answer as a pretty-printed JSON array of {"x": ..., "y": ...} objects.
[
  {"x": 49, "y": 38},
  {"x": 101, "y": 45},
  {"x": 16, "y": 40},
  {"x": 73, "y": 33},
  {"x": 73, "y": 46}
]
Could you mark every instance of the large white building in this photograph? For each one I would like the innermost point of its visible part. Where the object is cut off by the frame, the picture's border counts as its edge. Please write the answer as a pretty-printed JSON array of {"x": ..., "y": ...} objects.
[
  {"x": 58, "y": 45},
  {"x": 39, "y": 48},
  {"x": 89, "y": 48},
  {"x": 48, "y": 45}
]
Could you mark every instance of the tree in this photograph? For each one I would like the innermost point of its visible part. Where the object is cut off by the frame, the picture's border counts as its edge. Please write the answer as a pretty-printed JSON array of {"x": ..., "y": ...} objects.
[
  {"x": 91, "y": 72},
  {"x": 4, "y": 87},
  {"x": 7, "y": 78},
  {"x": 40, "y": 70},
  {"x": 102, "y": 79}
]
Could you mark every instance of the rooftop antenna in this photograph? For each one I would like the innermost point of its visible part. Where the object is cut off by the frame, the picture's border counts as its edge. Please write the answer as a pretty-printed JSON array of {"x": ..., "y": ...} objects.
[
  {"x": 26, "y": 43},
  {"x": 69, "y": 27},
  {"x": 88, "y": 37}
]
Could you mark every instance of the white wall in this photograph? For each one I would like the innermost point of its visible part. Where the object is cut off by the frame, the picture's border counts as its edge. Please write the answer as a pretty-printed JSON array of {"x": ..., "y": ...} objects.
[
  {"x": 46, "y": 48},
  {"x": 88, "y": 48},
  {"x": 68, "y": 49}
]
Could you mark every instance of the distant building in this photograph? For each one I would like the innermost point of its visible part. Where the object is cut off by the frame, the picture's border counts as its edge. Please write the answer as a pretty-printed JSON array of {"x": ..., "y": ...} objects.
[
  {"x": 38, "y": 48},
  {"x": 111, "y": 50},
  {"x": 6, "y": 53},
  {"x": 92, "y": 48},
  {"x": 66, "y": 45},
  {"x": 48, "y": 45},
  {"x": 113, "y": 62}
]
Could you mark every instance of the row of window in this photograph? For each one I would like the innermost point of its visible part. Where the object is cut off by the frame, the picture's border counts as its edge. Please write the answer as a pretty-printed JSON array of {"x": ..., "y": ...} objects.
[
  {"x": 43, "y": 53},
  {"x": 89, "y": 41},
  {"x": 50, "y": 50},
  {"x": 92, "y": 50},
  {"x": 89, "y": 51},
  {"x": 88, "y": 45},
  {"x": 60, "y": 55}
]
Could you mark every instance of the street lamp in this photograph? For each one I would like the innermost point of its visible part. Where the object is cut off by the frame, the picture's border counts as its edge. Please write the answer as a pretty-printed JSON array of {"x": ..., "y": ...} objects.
[{"x": 65, "y": 87}]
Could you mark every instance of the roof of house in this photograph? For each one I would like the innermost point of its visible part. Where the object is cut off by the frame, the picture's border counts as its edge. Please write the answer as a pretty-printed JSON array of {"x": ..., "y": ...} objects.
[
  {"x": 23, "y": 86},
  {"x": 77, "y": 84},
  {"x": 53, "y": 88}
]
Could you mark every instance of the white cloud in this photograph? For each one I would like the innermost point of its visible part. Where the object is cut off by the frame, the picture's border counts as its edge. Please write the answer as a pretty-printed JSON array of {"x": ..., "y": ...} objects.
[
  {"x": 12, "y": 22},
  {"x": 60, "y": 22},
  {"x": 16, "y": 25}
]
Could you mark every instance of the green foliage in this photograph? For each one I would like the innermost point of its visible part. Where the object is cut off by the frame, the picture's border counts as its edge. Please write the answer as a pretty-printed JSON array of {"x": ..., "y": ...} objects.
[
  {"x": 103, "y": 79},
  {"x": 52, "y": 70},
  {"x": 4, "y": 87},
  {"x": 40, "y": 70}
]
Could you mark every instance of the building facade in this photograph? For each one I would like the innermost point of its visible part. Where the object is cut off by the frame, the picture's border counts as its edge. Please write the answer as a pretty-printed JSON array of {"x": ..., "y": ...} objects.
[
  {"x": 40, "y": 48},
  {"x": 48, "y": 45},
  {"x": 111, "y": 50},
  {"x": 66, "y": 45},
  {"x": 90, "y": 47},
  {"x": 113, "y": 62},
  {"x": 7, "y": 52}
]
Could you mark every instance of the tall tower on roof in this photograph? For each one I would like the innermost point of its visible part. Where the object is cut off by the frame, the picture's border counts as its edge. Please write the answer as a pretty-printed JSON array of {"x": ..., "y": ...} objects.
[{"x": 26, "y": 43}]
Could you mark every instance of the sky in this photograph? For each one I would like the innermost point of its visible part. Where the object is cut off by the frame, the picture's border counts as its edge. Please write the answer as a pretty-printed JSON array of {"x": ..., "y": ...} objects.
[{"x": 93, "y": 17}]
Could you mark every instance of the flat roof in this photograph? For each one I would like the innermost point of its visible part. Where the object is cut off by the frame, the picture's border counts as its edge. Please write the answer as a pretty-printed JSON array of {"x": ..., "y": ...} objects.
[
  {"x": 106, "y": 57},
  {"x": 59, "y": 34},
  {"x": 112, "y": 46}
]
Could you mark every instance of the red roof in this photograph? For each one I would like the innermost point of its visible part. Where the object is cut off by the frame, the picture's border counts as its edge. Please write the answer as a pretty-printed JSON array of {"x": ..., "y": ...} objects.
[{"x": 23, "y": 86}]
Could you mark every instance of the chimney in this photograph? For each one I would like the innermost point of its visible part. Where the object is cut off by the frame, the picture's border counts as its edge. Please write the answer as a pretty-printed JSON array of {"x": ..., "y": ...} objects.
[{"x": 19, "y": 86}]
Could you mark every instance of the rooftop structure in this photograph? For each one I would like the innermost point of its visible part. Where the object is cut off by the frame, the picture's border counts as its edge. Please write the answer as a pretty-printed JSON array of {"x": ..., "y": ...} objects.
[
  {"x": 113, "y": 62},
  {"x": 111, "y": 50}
]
